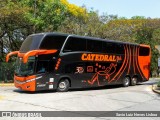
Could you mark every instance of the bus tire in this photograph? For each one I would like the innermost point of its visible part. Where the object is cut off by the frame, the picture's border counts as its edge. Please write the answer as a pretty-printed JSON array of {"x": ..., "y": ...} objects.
[
  {"x": 126, "y": 81},
  {"x": 63, "y": 85},
  {"x": 134, "y": 81}
]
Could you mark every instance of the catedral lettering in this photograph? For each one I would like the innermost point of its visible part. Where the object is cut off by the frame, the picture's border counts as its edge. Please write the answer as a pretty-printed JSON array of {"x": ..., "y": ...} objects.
[
  {"x": 56, "y": 61},
  {"x": 98, "y": 57}
]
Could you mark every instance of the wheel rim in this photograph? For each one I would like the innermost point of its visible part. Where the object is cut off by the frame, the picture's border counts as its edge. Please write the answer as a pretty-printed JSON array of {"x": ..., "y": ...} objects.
[
  {"x": 126, "y": 81},
  {"x": 62, "y": 85},
  {"x": 134, "y": 80}
]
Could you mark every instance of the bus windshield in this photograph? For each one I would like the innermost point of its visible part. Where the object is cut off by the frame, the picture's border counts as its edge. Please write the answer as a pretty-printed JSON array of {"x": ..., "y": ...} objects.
[
  {"x": 25, "y": 69},
  {"x": 31, "y": 43}
]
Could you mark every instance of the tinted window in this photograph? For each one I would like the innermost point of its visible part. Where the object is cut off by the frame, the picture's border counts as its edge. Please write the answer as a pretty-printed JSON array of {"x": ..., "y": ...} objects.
[
  {"x": 143, "y": 51},
  {"x": 94, "y": 46},
  {"x": 75, "y": 44},
  {"x": 52, "y": 42},
  {"x": 42, "y": 66},
  {"x": 119, "y": 49},
  {"x": 109, "y": 47},
  {"x": 31, "y": 43}
]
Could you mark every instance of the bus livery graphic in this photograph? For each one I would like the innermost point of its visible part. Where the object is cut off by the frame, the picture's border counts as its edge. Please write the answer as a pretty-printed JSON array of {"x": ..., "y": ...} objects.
[
  {"x": 57, "y": 61},
  {"x": 106, "y": 73}
]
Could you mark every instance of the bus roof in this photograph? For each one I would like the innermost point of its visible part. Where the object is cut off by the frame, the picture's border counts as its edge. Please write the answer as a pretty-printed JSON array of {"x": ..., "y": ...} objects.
[{"x": 87, "y": 37}]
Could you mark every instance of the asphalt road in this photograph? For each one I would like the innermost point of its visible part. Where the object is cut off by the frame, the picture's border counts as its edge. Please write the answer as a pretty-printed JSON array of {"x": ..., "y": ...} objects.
[{"x": 111, "y": 98}]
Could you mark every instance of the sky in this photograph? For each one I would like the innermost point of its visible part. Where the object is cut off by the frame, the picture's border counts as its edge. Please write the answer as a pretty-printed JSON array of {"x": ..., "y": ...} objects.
[{"x": 123, "y": 8}]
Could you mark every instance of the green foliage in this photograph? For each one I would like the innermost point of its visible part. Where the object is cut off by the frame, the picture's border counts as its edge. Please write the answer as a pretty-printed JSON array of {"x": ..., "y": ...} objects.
[
  {"x": 145, "y": 36},
  {"x": 19, "y": 18},
  {"x": 45, "y": 15},
  {"x": 13, "y": 26},
  {"x": 138, "y": 17},
  {"x": 6, "y": 72},
  {"x": 158, "y": 85}
]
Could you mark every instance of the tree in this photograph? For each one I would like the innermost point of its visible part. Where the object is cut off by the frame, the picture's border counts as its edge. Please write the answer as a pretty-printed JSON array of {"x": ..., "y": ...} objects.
[
  {"x": 48, "y": 15},
  {"x": 19, "y": 18},
  {"x": 45, "y": 15},
  {"x": 145, "y": 36},
  {"x": 75, "y": 22},
  {"x": 12, "y": 25}
]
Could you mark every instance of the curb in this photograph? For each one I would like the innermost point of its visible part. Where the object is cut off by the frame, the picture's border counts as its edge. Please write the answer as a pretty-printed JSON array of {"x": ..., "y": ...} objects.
[
  {"x": 155, "y": 89},
  {"x": 6, "y": 84}
]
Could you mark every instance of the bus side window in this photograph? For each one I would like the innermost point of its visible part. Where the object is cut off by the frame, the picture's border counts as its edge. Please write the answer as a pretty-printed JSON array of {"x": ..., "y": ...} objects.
[
  {"x": 109, "y": 47},
  {"x": 42, "y": 66},
  {"x": 144, "y": 51},
  {"x": 94, "y": 45},
  {"x": 75, "y": 44},
  {"x": 52, "y": 42},
  {"x": 119, "y": 49}
]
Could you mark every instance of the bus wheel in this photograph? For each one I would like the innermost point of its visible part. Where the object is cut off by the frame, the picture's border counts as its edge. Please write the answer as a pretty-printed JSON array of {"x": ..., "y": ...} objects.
[
  {"x": 63, "y": 85},
  {"x": 126, "y": 81},
  {"x": 134, "y": 81}
]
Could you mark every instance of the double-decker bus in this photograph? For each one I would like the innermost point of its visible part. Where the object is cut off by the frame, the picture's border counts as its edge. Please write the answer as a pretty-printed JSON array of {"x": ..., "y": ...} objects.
[{"x": 57, "y": 61}]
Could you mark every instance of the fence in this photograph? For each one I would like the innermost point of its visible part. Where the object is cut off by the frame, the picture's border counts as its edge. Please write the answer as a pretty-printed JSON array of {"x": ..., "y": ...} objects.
[{"x": 6, "y": 72}]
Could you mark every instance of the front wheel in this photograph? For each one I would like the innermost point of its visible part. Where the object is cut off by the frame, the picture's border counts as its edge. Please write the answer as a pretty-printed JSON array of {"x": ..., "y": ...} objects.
[
  {"x": 126, "y": 81},
  {"x": 63, "y": 85}
]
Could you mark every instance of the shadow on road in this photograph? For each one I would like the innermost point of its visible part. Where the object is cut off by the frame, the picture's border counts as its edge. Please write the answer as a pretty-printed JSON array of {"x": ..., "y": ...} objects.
[
  {"x": 72, "y": 90},
  {"x": 150, "y": 82},
  {"x": 30, "y": 92}
]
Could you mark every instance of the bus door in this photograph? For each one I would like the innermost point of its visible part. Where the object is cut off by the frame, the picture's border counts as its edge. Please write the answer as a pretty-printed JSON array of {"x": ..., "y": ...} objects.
[{"x": 45, "y": 78}]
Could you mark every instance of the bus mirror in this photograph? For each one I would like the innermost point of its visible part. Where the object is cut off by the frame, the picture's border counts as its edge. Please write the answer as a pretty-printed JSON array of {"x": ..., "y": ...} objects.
[
  {"x": 10, "y": 54},
  {"x": 37, "y": 52}
]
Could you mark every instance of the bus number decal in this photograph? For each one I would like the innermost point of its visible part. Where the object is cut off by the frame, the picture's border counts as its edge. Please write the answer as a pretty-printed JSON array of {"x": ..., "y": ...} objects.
[{"x": 79, "y": 70}]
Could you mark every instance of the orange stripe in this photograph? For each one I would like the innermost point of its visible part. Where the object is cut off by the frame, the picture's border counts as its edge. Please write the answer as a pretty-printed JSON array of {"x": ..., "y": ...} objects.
[
  {"x": 24, "y": 78},
  {"x": 125, "y": 56},
  {"x": 134, "y": 59},
  {"x": 142, "y": 45},
  {"x": 129, "y": 59},
  {"x": 137, "y": 64},
  {"x": 125, "y": 65}
]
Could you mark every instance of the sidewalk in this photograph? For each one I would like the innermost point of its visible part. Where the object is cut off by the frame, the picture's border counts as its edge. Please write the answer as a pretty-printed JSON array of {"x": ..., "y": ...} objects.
[
  {"x": 6, "y": 84},
  {"x": 156, "y": 89}
]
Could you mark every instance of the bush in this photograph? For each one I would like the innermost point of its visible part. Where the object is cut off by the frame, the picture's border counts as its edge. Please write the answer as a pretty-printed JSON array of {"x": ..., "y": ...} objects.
[
  {"x": 6, "y": 72},
  {"x": 158, "y": 85}
]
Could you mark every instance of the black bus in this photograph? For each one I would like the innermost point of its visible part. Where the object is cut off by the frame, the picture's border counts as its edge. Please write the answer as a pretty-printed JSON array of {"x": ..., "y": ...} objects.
[{"x": 49, "y": 61}]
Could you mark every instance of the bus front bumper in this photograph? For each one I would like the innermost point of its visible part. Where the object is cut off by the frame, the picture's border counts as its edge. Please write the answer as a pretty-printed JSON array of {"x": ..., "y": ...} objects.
[{"x": 25, "y": 83}]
